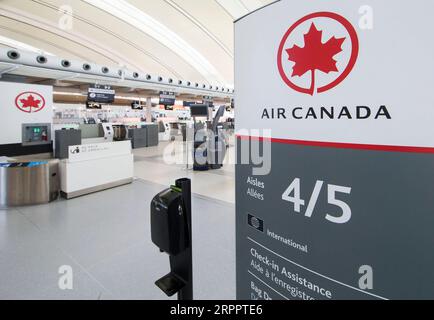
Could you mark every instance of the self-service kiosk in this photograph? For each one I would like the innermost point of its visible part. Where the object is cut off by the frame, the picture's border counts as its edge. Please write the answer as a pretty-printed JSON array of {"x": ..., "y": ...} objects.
[
  {"x": 106, "y": 131},
  {"x": 171, "y": 233},
  {"x": 209, "y": 148}
]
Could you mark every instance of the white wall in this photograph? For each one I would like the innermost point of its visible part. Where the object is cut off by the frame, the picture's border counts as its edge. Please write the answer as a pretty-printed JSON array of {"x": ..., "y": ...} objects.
[{"x": 12, "y": 117}]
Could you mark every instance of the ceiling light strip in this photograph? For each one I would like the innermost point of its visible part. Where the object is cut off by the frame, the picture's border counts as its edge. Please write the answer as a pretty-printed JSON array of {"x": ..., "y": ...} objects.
[
  {"x": 200, "y": 26},
  {"x": 117, "y": 36},
  {"x": 140, "y": 20}
]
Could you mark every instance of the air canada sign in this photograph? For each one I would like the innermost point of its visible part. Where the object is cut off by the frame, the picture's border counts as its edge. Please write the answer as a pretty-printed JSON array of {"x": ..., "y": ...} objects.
[
  {"x": 324, "y": 113},
  {"x": 30, "y": 102},
  {"x": 316, "y": 54}
]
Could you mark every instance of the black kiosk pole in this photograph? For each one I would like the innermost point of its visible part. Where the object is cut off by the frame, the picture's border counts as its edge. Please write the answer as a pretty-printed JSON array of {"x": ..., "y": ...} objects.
[
  {"x": 171, "y": 231},
  {"x": 182, "y": 263}
]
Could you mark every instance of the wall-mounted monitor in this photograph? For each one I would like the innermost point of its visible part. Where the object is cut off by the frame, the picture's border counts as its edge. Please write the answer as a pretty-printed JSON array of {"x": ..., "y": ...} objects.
[
  {"x": 101, "y": 94},
  {"x": 199, "y": 110},
  {"x": 167, "y": 98}
]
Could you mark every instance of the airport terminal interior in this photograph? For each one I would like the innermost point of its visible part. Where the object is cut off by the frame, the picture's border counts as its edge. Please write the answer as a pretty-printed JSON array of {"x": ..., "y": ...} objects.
[
  {"x": 216, "y": 150},
  {"x": 116, "y": 79}
]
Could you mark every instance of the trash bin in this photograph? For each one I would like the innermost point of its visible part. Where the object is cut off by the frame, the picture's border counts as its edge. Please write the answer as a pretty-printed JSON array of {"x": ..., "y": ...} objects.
[{"x": 28, "y": 183}]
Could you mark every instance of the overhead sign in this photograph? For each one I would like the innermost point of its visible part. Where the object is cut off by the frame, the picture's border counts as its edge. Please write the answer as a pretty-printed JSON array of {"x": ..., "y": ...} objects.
[
  {"x": 188, "y": 103},
  {"x": 338, "y": 206},
  {"x": 91, "y": 105},
  {"x": 208, "y": 100},
  {"x": 167, "y": 98},
  {"x": 137, "y": 105},
  {"x": 101, "y": 94},
  {"x": 98, "y": 150}
]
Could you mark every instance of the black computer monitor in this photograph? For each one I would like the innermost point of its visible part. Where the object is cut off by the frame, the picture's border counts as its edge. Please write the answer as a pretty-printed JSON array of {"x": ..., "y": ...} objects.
[{"x": 199, "y": 110}]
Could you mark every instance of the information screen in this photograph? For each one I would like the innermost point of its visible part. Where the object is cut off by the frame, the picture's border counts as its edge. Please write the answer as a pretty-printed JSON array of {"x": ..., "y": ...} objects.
[
  {"x": 101, "y": 94},
  {"x": 167, "y": 98},
  {"x": 137, "y": 105},
  {"x": 199, "y": 110}
]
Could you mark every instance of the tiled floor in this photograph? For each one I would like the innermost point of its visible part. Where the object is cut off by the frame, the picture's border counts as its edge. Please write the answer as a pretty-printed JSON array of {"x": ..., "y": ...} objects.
[
  {"x": 105, "y": 238},
  {"x": 152, "y": 165}
]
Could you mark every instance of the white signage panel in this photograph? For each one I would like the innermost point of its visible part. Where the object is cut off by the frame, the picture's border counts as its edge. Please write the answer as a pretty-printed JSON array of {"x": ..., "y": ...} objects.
[
  {"x": 23, "y": 103},
  {"x": 338, "y": 71}
]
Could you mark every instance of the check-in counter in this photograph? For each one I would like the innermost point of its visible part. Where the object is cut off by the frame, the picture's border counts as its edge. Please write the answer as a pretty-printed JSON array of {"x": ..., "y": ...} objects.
[
  {"x": 96, "y": 167},
  {"x": 28, "y": 183}
]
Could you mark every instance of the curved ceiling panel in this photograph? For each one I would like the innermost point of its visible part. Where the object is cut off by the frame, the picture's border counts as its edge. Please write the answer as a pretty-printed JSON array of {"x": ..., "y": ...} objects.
[{"x": 185, "y": 39}]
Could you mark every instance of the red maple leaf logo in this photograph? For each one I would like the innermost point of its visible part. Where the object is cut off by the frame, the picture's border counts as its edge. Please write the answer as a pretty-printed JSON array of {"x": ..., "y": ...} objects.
[
  {"x": 30, "y": 102},
  {"x": 315, "y": 55}
]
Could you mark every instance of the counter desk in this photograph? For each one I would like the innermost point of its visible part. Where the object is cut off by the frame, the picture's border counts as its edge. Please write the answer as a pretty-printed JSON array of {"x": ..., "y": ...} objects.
[{"x": 96, "y": 167}]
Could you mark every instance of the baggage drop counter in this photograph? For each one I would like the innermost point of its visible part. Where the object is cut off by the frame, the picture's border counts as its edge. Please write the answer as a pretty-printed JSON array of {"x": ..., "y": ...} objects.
[
  {"x": 27, "y": 183},
  {"x": 95, "y": 167}
]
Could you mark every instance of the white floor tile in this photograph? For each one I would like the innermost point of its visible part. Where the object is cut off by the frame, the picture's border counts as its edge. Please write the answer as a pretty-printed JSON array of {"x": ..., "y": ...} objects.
[{"x": 106, "y": 238}]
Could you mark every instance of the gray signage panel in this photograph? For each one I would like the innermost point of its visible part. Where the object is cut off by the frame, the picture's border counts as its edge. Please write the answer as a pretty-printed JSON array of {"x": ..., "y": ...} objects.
[
  {"x": 167, "y": 98},
  {"x": 291, "y": 246},
  {"x": 101, "y": 94}
]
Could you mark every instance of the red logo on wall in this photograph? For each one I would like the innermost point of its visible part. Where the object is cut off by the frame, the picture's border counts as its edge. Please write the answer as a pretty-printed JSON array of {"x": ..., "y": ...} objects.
[
  {"x": 309, "y": 49},
  {"x": 30, "y": 102}
]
